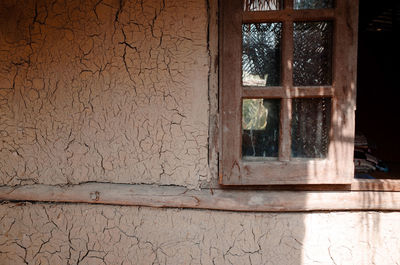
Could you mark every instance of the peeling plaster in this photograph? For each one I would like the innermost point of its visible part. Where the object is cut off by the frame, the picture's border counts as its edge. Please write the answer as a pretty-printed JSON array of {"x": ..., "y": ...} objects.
[{"x": 110, "y": 91}]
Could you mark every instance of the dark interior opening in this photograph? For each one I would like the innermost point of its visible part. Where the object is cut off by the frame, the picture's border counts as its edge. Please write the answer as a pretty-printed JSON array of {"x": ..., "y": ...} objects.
[{"x": 377, "y": 114}]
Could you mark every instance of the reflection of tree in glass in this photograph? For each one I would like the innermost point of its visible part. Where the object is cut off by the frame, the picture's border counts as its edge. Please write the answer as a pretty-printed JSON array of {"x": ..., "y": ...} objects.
[
  {"x": 262, "y": 5},
  {"x": 260, "y": 122},
  {"x": 254, "y": 114},
  {"x": 312, "y": 64},
  {"x": 312, "y": 4},
  {"x": 262, "y": 51}
]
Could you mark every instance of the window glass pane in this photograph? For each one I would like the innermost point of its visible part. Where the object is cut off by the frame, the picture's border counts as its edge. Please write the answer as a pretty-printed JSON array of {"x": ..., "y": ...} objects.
[
  {"x": 261, "y": 58},
  {"x": 262, "y": 5},
  {"x": 312, "y": 4},
  {"x": 260, "y": 128},
  {"x": 312, "y": 58},
  {"x": 310, "y": 127}
]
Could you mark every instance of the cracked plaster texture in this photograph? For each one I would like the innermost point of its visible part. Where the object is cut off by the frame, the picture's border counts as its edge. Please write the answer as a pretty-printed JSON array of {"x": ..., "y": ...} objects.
[
  {"x": 98, "y": 234},
  {"x": 116, "y": 91},
  {"x": 109, "y": 91}
]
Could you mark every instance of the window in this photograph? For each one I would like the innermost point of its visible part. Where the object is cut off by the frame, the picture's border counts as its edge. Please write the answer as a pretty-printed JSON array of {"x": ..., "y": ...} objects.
[{"x": 287, "y": 91}]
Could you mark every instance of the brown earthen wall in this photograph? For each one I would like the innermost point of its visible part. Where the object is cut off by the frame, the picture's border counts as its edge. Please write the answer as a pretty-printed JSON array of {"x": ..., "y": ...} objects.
[
  {"x": 94, "y": 234},
  {"x": 117, "y": 91},
  {"x": 108, "y": 91}
]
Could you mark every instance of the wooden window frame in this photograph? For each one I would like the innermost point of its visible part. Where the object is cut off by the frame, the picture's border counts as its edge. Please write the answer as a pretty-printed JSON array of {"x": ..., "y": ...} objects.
[{"x": 338, "y": 167}]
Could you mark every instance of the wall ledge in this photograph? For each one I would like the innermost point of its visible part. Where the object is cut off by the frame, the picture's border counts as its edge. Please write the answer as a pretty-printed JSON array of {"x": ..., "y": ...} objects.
[{"x": 217, "y": 199}]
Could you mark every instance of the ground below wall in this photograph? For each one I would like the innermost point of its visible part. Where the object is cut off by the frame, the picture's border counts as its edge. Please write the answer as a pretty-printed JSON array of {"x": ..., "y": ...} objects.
[{"x": 99, "y": 234}]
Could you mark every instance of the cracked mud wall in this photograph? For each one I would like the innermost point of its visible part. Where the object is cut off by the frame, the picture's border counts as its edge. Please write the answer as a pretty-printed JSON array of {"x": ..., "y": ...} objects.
[
  {"x": 104, "y": 90},
  {"x": 117, "y": 91},
  {"x": 60, "y": 234}
]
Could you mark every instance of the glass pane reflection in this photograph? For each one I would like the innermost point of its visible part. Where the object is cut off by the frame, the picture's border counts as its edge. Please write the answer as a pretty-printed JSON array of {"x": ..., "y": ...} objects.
[
  {"x": 310, "y": 127},
  {"x": 312, "y": 58},
  {"x": 262, "y": 5},
  {"x": 312, "y": 4},
  {"x": 260, "y": 128},
  {"x": 261, "y": 58}
]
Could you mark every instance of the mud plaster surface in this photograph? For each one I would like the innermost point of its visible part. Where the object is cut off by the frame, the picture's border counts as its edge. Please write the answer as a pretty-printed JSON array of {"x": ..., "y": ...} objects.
[
  {"x": 112, "y": 91},
  {"x": 83, "y": 234}
]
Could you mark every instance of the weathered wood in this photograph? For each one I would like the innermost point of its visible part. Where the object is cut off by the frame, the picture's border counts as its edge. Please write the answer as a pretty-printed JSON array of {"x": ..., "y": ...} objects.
[
  {"x": 312, "y": 91},
  {"x": 231, "y": 80},
  {"x": 341, "y": 149},
  {"x": 285, "y": 130},
  {"x": 305, "y": 171},
  {"x": 287, "y": 81},
  {"x": 375, "y": 185},
  {"x": 288, "y": 15},
  {"x": 338, "y": 167},
  {"x": 288, "y": 4},
  {"x": 218, "y": 199},
  {"x": 213, "y": 132},
  {"x": 288, "y": 92},
  {"x": 263, "y": 92}
]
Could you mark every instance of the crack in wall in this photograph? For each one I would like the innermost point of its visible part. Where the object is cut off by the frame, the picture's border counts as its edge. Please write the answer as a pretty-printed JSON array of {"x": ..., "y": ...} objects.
[
  {"x": 109, "y": 91},
  {"x": 60, "y": 234}
]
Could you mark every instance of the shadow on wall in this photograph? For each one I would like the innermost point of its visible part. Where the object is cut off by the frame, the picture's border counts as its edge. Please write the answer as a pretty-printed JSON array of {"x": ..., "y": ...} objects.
[
  {"x": 43, "y": 85},
  {"x": 71, "y": 75}
]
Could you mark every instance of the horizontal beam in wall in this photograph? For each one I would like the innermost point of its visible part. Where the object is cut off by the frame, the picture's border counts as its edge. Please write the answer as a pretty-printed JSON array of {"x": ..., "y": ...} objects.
[{"x": 217, "y": 199}]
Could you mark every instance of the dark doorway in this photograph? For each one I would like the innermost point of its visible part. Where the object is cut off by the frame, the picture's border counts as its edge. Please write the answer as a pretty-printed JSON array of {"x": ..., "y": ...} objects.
[{"x": 378, "y": 103}]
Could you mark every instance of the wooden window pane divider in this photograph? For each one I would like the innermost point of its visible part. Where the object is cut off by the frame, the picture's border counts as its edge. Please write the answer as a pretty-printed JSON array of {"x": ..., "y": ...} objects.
[
  {"x": 293, "y": 92},
  {"x": 288, "y": 15},
  {"x": 285, "y": 130},
  {"x": 287, "y": 81},
  {"x": 288, "y": 4},
  {"x": 263, "y": 92}
]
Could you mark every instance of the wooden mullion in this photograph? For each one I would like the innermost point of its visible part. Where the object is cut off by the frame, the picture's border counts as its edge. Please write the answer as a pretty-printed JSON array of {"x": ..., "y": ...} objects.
[
  {"x": 285, "y": 130},
  {"x": 291, "y": 92},
  {"x": 288, "y": 14},
  {"x": 287, "y": 81},
  {"x": 311, "y": 92},
  {"x": 288, "y": 4},
  {"x": 263, "y": 92}
]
